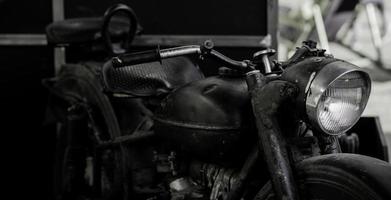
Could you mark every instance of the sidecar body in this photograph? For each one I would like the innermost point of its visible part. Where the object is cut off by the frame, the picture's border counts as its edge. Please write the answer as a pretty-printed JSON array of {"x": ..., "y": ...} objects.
[{"x": 372, "y": 141}]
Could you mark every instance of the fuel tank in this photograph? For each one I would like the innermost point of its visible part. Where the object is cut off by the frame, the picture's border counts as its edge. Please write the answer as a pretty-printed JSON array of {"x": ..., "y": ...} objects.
[{"x": 210, "y": 118}]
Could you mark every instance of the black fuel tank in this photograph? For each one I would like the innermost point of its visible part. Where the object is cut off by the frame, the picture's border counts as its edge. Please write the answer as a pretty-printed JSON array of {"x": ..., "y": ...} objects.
[{"x": 209, "y": 118}]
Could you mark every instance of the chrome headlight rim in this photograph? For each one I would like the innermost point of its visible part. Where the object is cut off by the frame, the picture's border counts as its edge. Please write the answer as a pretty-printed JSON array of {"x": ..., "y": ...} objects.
[{"x": 320, "y": 81}]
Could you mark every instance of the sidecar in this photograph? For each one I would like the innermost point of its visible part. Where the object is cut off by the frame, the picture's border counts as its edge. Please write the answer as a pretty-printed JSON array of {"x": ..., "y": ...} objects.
[{"x": 366, "y": 138}]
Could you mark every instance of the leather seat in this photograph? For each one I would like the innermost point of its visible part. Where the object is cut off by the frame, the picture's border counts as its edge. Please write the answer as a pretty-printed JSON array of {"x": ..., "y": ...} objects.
[{"x": 83, "y": 30}]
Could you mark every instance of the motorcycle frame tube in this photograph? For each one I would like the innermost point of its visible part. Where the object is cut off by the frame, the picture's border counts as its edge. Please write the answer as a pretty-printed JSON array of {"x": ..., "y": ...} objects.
[{"x": 266, "y": 99}]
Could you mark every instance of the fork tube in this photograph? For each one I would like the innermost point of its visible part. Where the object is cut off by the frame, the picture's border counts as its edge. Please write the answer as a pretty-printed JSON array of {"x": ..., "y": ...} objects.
[{"x": 266, "y": 99}]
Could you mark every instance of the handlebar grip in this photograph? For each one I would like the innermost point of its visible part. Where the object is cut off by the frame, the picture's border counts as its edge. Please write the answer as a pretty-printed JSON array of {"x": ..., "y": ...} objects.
[{"x": 136, "y": 58}]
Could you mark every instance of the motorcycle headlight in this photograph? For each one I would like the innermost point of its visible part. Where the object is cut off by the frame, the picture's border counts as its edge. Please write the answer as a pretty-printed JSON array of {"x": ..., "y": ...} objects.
[{"x": 335, "y": 95}]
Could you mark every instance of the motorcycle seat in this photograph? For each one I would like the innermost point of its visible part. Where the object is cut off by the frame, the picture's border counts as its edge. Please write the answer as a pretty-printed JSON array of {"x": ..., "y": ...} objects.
[{"x": 83, "y": 30}]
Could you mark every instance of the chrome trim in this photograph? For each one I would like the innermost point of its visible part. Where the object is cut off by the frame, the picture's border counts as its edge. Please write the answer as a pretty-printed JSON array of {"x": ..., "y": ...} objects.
[
  {"x": 179, "y": 51},
  {"x": 268, "y": 68},
  {"x": 323, "y": 79}
]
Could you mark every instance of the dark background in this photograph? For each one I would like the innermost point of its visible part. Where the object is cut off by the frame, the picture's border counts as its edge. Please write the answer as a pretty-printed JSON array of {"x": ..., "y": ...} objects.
[
  {"x": 25, "y": 145},
  {"x": 29, "y": 145}
]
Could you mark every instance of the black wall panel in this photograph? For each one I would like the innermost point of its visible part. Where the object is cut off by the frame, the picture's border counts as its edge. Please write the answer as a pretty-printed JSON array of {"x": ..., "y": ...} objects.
[
  {"x": 23, "y": 100},
  {"x": 26, "y": 145},
  {"x": 204, "y": 17},
  {"x": 25, "y": 16}
]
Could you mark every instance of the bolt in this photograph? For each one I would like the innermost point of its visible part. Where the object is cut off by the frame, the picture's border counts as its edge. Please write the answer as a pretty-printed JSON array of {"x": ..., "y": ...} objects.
[{"x": 208, "y": 44}]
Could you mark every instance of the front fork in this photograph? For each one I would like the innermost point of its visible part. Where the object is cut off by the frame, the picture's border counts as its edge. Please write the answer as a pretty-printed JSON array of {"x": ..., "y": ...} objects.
[{"x": 266, "y": 99}]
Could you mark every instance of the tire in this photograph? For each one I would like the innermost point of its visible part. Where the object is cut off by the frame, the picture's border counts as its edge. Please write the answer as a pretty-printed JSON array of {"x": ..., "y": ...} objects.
[
  {"x": 340, "y": 176},
  {"x": 81, "y": 169}
]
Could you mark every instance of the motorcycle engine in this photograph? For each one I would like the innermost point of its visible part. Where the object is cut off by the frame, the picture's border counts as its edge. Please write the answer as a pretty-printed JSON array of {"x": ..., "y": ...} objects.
[{"x": 208, "y": 119}]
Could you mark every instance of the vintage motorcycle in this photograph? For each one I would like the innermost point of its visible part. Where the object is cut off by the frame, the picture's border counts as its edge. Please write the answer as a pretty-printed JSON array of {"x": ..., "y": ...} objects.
[{"x": 150, "y": 125}]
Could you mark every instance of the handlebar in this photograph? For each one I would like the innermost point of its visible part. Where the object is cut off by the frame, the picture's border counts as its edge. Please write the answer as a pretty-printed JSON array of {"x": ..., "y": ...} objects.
[{"x": 124, "y": 60}]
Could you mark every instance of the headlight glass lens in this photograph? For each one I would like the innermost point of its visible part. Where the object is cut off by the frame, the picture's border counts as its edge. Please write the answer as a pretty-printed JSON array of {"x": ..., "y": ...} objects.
[{"x": 343, "y": 102}]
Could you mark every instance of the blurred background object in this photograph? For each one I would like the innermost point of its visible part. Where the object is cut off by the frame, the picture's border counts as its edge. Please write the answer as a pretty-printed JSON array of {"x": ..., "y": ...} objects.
[{"x": 356, "y": 31}]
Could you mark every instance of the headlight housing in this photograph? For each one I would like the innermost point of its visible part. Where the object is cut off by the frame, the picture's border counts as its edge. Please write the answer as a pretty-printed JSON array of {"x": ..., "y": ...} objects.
[{"x": 334, "y": 93}]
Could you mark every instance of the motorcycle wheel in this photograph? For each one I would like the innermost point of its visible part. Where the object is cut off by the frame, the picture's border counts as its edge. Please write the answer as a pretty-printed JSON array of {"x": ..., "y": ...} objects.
[
  {"x": 81, "y": 169},
  {"x": 339, "y": 176},
  {"x": 85, "y": 119}
]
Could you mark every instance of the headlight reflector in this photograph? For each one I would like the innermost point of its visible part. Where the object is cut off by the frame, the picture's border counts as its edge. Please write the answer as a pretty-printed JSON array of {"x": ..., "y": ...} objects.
[{"x": 343, "y": 102}]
